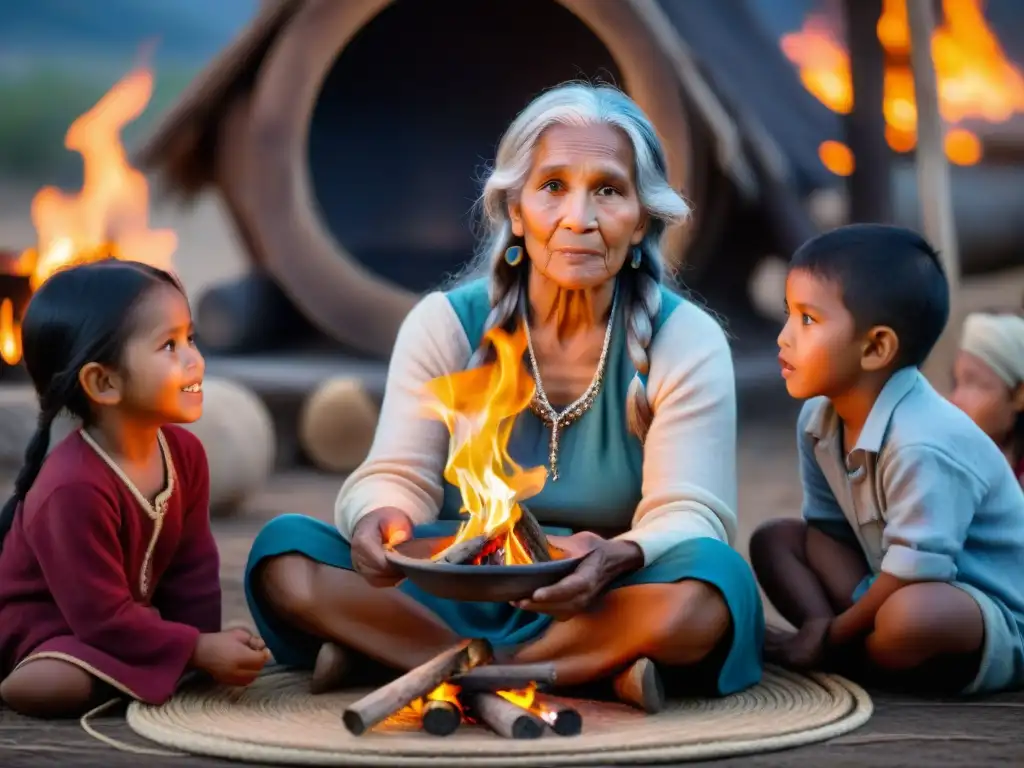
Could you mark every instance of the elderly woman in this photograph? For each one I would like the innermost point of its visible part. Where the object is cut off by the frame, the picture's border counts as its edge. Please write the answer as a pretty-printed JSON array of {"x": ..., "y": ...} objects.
[{"x": 634, "y": 416}]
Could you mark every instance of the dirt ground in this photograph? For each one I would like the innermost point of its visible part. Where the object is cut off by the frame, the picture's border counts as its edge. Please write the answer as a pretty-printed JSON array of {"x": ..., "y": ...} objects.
[{"x": 903, "y": 732}]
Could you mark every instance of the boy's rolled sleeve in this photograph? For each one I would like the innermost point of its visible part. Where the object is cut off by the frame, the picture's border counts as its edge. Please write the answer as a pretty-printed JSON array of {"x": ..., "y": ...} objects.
[{"x": 930, "y": 499}]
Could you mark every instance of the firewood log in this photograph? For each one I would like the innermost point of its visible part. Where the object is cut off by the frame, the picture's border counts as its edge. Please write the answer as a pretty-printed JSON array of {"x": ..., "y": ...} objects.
[
  {"x": 337, "y": 424},
  {"x": 561, "y": 718},
  {"x": 505, "y": 718},
  {"x": 440, "y": 717},
  {"x": 463, "y": 552},
  {"x": 506, "y": 677},
  {"x": 532, "y": 536},
  {"x": 385, "y": 701}
]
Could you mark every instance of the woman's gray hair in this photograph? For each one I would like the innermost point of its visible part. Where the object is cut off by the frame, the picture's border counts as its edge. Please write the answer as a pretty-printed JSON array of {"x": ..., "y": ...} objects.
[{"x": 640, "y": 296}]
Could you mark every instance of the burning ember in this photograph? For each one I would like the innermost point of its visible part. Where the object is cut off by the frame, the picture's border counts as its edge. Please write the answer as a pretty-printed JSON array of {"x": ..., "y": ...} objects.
[
  {"x": 461, "y": 685},
  {"x": 108, "y": 217},
  {"x": 975, "y": 79},
  {"x": 479, "y": 407}
]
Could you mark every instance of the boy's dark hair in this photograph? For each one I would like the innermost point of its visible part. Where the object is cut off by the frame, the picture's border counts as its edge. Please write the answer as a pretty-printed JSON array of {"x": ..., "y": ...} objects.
[
  {"x": 888, "y": 276},
  {"x": 83, "y": 314}
]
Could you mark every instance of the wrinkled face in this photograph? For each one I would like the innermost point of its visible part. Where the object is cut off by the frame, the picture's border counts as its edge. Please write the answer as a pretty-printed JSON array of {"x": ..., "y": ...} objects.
[
  {"x": 163, "y": 368},
  {"x": 579, "y": 213},
  {"x": 819, "y": 352},
  {"x": 983, "y": 396}
]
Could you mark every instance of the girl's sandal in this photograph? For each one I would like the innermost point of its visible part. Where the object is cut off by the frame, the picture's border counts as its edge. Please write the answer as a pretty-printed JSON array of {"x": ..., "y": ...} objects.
[
  {"x": 333, "y": 664},
  {"x": 640, "y": 685}
]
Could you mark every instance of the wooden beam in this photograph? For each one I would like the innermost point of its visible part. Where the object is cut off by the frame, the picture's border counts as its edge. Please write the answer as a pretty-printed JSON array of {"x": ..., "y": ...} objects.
[
  {"x": 870, "y": 184},
  {"x": 933, "y": 183}
]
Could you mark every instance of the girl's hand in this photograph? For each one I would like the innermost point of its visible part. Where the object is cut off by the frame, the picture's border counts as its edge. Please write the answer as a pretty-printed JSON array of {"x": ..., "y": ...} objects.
[
  {"x": 233, "y": 657},
  {"x": 603, "y": 561},
  {"x": 255, "y": 641}
]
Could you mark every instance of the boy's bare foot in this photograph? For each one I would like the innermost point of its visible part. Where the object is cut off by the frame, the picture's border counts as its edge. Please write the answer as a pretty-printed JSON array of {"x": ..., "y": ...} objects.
[
  {"x": 332, "y": 667},
  {"x": 640, "y": 685}
]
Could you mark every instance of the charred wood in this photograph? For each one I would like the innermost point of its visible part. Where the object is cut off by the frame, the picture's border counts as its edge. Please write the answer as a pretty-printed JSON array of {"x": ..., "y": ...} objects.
[
  {"x": 415, "y": 684},
  {"x": 505, "y": 718}
]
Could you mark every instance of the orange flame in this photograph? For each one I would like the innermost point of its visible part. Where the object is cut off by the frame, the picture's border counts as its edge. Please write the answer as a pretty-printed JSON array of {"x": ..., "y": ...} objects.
[
  {"x": 109, "y": 216},
  {"x": 10, "y": 334},
  {"x": 479, "y": 407},
  {"x": 523, "y": 698},
  {"x": 975, "y": 79},
  {"x": 411, "y": 715}
]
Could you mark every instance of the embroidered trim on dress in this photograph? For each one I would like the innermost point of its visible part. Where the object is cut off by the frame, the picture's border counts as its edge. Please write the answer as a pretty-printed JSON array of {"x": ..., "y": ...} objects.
[{"x": 155, "y": 511}]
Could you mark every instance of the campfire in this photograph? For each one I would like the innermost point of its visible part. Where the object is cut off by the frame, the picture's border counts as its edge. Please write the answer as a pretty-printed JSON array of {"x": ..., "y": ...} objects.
[
  {"x": 479, "y": 407},
  {"x": 499, "y": 552},
  {"x": 462, "y": 685},
  {"x": 107, "y": 218},
  {"x": 499, "y": 540},
  {"x": 975, "y": 78}
]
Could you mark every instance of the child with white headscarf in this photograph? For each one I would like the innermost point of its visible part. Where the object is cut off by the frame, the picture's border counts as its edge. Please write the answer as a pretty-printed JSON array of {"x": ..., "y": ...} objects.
[{"x": 988, "y": 379}]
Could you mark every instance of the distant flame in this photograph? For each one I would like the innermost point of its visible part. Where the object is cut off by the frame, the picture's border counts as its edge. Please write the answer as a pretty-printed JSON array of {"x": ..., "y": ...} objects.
[
  {"x": 837, "y": 157},
  {"x": 975, "y": 79},
  {"x": 110, "y": 216},
  {"x": 479, "y": 407},
  {"x": 10, "y": 334}
]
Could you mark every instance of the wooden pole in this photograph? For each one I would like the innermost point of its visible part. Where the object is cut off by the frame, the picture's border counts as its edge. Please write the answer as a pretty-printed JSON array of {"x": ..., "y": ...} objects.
[
  {"x": 869, "y": 186},
  {"x": 933, "y": 184}
]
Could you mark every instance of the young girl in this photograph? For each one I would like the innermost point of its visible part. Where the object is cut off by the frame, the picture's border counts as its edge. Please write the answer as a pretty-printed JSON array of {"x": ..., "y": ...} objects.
[
  {"x": 988, "y": 380},
  {"x": 109, "y": 573}
]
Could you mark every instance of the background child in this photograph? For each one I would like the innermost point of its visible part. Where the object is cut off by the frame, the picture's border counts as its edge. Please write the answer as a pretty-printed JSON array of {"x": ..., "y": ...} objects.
[
  {"x": 109, "y": 574},
  {"x": 911, "y": 550},
  {"x": 988, "y": 380}
]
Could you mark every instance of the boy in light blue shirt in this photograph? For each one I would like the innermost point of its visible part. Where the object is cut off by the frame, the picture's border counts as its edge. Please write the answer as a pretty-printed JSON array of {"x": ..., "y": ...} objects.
[{"x": 910, "y": 554}]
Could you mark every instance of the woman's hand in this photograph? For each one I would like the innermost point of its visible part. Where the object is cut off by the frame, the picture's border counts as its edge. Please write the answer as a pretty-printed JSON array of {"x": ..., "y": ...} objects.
[
  {"x": 800, "y": 650},
  {"x": 384, "y": 527},
  {"x": 603, "y": 561}
]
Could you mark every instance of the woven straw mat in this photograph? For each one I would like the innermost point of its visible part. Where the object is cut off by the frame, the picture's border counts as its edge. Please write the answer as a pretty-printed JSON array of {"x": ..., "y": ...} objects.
[{"x": 276, "y": 720}]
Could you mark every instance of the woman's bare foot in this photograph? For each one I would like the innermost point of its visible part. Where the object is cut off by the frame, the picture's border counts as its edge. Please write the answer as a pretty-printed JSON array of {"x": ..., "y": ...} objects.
[
  {"x": 333, "y": 664},
  {"x": 640, "y": 685}
]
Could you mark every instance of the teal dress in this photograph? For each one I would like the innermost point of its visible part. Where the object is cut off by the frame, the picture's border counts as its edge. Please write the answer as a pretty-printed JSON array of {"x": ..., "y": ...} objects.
[{"x": 600, "y": 475}]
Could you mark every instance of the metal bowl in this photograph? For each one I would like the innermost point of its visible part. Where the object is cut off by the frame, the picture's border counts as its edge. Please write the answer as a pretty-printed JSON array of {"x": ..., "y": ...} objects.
[{"x": 474, "y": 583}]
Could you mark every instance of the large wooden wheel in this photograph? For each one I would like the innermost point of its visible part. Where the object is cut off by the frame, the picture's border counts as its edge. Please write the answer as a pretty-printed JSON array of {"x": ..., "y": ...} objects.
[{"x": 310, "y": 105}]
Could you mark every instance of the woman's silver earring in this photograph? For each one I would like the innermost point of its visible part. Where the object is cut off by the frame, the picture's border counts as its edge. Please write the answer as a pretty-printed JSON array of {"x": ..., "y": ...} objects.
[
  {"x": 638, "y": 257},
  {"x": 514, "y": 255}
]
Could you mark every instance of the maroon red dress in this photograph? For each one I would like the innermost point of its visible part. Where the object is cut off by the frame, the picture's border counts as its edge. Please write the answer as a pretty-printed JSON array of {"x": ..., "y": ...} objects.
[{"x": 94, "y": 574}]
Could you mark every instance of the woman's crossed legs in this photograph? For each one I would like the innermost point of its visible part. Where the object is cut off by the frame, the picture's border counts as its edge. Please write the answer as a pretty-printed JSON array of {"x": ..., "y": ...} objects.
[{"x": 676, "y": 624}]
